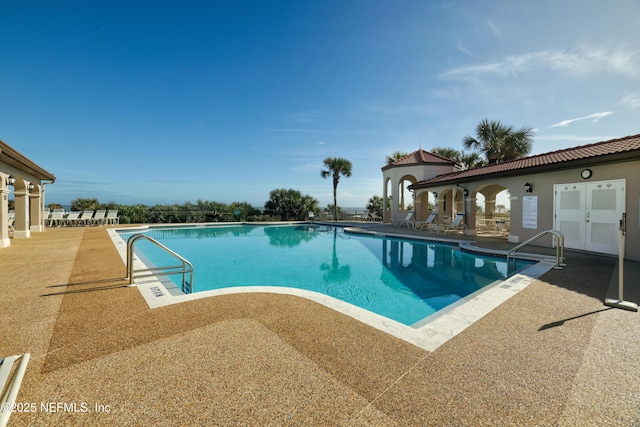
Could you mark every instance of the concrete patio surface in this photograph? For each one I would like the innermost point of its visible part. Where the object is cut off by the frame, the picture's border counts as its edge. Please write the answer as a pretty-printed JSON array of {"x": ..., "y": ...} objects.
[{"x": 552, "y": 355}]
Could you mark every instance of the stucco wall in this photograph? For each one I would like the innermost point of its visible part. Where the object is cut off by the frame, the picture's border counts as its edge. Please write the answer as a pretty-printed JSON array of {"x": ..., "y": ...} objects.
[{"x": 543, "y": 187}]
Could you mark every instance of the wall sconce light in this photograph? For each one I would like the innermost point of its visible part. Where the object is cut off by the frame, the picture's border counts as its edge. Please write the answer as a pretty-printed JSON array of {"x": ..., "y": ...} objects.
[
  {"x": 465, "y": 192},
  {"x": 528, "y": 187},
  {"x": 11, "y": 180},
  {"x": 31, "y": 186},
  {"x": 435, "y": 194}
]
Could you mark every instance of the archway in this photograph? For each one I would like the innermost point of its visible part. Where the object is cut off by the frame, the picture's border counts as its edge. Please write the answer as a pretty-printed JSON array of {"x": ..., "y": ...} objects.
[
  {"x": 493, "y": 213},
  {"x": 406, "y": 201}
]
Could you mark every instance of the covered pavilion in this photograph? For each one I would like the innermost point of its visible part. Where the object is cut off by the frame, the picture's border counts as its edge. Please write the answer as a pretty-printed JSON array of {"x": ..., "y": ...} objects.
[
  {"x": 584, "y": 192},
  {"x": 28, "y": 180}
]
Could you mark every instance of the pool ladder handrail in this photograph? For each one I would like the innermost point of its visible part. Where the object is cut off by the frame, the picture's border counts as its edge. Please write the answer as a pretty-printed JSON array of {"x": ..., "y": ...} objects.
[
  {"x": 559, "y": 243},
  {"x": 184, "y": 268}
]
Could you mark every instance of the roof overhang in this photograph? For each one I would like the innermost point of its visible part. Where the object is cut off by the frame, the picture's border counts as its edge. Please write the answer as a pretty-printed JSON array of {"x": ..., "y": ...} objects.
[
  {"x": 468, "y": 175},
  {"x": 18, "y": 161}
]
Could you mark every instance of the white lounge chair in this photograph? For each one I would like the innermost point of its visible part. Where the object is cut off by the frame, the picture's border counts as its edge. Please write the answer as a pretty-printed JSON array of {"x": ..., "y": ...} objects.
[
  {"x": 85, "y": 218},
  {"x": 99, "y": 217},
  {"x": 10, "y": 380},
  {"x": 399, "y": 223},
  {"x": 373, "y": 216},
  {"x": 431, "y": 223},
  {"x": 456, "y": 225},
  {"x": 72, "y": 218},
  {"x": 57, "y": 218},
  {"x": 112, "y": 217},
  {"x": 11, "y": 229}
]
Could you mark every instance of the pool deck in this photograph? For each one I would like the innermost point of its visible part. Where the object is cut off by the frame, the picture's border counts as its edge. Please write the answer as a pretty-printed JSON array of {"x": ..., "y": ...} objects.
[{"x": 551, "y": 355}]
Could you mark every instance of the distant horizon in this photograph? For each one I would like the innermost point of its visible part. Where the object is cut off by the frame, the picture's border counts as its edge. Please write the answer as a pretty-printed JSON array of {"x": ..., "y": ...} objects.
[{"x": 67, "y": 206}]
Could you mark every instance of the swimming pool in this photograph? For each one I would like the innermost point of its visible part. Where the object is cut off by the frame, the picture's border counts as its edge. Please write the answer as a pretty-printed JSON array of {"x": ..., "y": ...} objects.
[{"x": 401, "y": 279}]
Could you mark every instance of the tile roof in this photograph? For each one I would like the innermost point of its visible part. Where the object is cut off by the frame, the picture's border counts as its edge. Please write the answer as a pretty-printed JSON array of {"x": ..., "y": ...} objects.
[
  {"x": 419, "y": 157},
  {"x": 590, "y": 153}
]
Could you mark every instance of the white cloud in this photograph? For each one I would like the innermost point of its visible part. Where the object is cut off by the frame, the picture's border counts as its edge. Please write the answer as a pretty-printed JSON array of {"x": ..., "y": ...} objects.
[
  {"x": 495, "y": 30},
  {"x": 594, "y": 117},
  {"x": 583, "y": 60},
  {"x": 630, "y": 100},
  {"x": 462, "y": 48}
]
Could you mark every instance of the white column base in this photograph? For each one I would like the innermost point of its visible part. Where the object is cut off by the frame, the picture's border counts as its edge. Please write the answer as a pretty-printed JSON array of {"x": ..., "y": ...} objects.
[{"x": 22, "y": 234}]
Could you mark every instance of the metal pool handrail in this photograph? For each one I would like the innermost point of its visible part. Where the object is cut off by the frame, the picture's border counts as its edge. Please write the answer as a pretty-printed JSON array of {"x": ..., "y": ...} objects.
[
  {"x": 185, "y": 267},
  {"x": 559, "y": 247}
]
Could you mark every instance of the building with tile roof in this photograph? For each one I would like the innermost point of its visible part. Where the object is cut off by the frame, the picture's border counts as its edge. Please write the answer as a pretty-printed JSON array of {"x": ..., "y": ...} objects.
[
  {"x": 26, "y": 180},
  {"x": 581, "y": 191},
  {"x": 401, "y": 173}
]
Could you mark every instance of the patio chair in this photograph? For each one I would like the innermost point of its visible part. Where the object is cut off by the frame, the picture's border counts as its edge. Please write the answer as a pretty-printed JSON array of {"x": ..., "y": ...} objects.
[
  {"x": 99, "y": 217},
  {"x": 373, "y": 216},
  {"x": 503, "y": 226},
  {"x": 57, "y": 218},
  {"x": 430, "y": 223},
  {"x": 10, "y": 381},
  {"x": 11, "y": 229},
  {"x": 72, "y": 219},
  {"x": 85, "y": 218},
  {"x": 456, "y": 225},
  {"x": 399, "y": 223},
  {"x": 112, "y": 217}
]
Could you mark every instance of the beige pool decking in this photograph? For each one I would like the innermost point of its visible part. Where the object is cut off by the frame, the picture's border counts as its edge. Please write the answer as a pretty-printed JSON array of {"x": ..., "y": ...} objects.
[{"x": 552, "y": 354}]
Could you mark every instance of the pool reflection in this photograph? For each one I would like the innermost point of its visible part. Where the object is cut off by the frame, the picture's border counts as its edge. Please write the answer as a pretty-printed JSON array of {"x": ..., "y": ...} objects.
[{"x": 432, "y": 271}]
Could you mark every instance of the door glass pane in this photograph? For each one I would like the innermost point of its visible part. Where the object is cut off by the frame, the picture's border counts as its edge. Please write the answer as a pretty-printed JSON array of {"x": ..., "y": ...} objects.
[
  {"x": 570, "y": 229},
  {"x": 603, "y": 233},
  {"x": 603, "y": 199},
  {"x": 570, "y": 200}
]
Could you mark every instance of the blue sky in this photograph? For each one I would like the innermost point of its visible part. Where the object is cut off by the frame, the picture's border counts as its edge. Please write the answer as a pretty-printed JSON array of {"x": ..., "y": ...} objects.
[{"x": 168, "y": 102}]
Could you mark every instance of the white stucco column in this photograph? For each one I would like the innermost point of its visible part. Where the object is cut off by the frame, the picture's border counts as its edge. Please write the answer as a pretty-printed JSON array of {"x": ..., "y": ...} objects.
[
  {"x": 4, "y": 215},
  {"x": 385, "y": 196},
  {"x": 34, "y": 211},
  {"x": 22, "y": 215},
  {"x": 470, "y": 209}
]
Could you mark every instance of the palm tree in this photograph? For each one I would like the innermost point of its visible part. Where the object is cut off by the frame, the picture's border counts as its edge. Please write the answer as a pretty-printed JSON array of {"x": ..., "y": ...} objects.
[
  {"x": 499, "y": 142},
  {"x": 471, "y": 160},
  {"x": 375, "y": 205},
  {"x": 466, "y": 160},
  {"x": 84, "y": 204},
  {"x": 396, "y": 155},
  {"x": 336, "y": 166},
  {"x": 449, "y": 153},
  {"x": 288, "y": 204}
]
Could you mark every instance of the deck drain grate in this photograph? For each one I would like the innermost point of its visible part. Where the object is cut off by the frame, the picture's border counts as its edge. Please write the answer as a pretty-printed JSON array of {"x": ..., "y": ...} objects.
[{"x": 157, "y": 292}]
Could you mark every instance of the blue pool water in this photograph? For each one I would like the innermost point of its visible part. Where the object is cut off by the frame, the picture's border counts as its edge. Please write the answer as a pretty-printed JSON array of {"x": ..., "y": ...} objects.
[{"x": 405, "y": 280}]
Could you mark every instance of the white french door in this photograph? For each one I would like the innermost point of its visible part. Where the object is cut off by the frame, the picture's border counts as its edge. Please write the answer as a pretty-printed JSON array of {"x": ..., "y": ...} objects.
[{"x": 588, "y": 214}]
